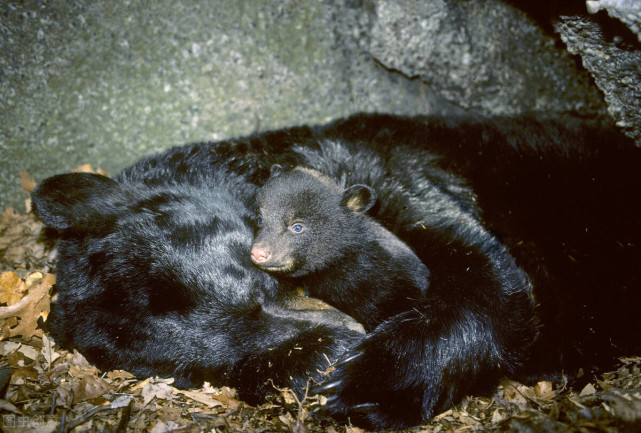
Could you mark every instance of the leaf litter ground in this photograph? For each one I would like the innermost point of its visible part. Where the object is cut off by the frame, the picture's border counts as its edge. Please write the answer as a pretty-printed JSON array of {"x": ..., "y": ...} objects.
[{"x": 44, "y": 388}]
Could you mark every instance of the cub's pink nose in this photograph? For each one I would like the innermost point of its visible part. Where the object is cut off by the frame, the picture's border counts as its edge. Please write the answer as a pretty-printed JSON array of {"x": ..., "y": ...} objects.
[{"x": 259, "y": 255}]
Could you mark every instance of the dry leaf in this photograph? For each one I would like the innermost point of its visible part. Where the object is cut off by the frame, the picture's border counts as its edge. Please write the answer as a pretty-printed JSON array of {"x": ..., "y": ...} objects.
[
  {"x": 158, "y": 388},
  {"x": 169, "y": 413},
  {"x": 208, "y": 389},
  {"x": 6, "y": 347},
  {"x": 90, "y": 387},
  {"x": 59, "y": 370},
  {"x": 468, "y": 420},
  {"x": 121, "y": 401},
  {"x": 227, "y": 401},
  {"x": 442, "y": 415},
  {"x": 587, "y": 390},
  {"x": 80, "y": 361},
  {"x": 65, "y": 393},
  {"x": 140, "y": 385},
  {"x": 87, "y": 426},
  {"x": 29, "y": 352},
  {"x": 81, "y": 371},
  {"x": 512, "y": 394},
  {"x": 87, "y": 168},
  {"x": 120, "y": 375},
  {"x": 16, "y": 359},
  {"x": 12, "y": 288},
  {"x": 21, "y": 375},
  {"x": 209, "y": 401},
  {"x": 6, "y": 326},
  {"x": 29, "y": 309},
  {"x": 626, "y": 403},
  {"x": 300, "y": 428},
  {"x": 543, "y": 392},
  {"x": 163, "y": 427},
  {"x": 9, "y": 407},
  {"x": 287, "y": 419},
  {"x": 229, "y": 392},
  {"x": 497, "y": 417},
  {"x": 47, "y": 351},
  {"x": 575, "y": 401},
  {"x": 20, "y": 241},
  {"x": 27, "y": 182}
]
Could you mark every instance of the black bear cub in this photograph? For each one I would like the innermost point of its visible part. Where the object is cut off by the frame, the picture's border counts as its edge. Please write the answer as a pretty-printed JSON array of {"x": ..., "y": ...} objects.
[{"x": 317, "y": 233}]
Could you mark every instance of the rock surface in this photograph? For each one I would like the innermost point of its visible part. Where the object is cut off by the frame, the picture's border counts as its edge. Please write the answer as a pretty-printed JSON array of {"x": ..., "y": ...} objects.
[
  {"x": 612, "y": 54},
  {"x": 484, "y": 56},
  {"x": 628, "y": 11},
  {"x": 110, "y": 82}
]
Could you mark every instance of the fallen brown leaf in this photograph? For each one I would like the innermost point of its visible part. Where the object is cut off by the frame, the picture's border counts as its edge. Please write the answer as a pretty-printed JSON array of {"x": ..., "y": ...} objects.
[
  {"x": 209, "y": 401},
  {"x": 23, "y": 374},
  {"x": 157, "y": 388},
  {"x": 21, "y": 244},
  {"x": 625, "y": 403},
  {"x": 512, "y": 393},
  {"x": 87, "y": 168},
  {"x": 48, "y": 352},
  {"x": 119, "y": 375},
  {"x": 544, "y": 391},
  {"x": 164, "y": 427},
  {"x": 12, "y": 288},
  {"x": 27, "y": 182},
  {"x": 90, "y": 387},
  {"x": 65, "y": 395},
  {"x": 588, "y": 389},
  {"x": 29, "y": 308},
  {"x": 9, "y": 407}
]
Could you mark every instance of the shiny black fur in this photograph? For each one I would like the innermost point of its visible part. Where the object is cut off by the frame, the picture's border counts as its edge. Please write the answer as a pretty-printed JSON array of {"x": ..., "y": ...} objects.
[
  {"x": 339, "y": 254},
  {"x": 153, "y": 276},
  {"x": 531, "y": 231}
]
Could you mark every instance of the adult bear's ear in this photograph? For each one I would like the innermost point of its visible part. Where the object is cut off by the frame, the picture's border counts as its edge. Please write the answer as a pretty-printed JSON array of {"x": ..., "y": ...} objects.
[
  {"x": 276, "y": 170},
  {"x": 82, "y": 201},
  {"x": 359, "y": 198}
]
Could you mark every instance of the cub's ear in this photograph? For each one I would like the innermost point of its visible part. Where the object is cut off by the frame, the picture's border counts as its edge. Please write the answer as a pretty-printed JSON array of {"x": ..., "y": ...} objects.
[
  {"x": 276, "y": 170},
  {"x": 77, "y": 200},
  {"x": 359, "y": 198}
]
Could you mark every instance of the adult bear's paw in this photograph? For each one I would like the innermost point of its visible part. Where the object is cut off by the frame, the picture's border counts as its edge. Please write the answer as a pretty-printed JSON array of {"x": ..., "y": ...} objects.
[
  {"x": 382, "y": 382},
  {"x": 412, "y": 367}
]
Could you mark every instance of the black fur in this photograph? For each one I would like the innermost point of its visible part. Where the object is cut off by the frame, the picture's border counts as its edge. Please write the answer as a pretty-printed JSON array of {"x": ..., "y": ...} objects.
[
  {"x": 531, "y": 231},
  {"x": 155, "y": 278},
  {"x": 317, "y": 233}
]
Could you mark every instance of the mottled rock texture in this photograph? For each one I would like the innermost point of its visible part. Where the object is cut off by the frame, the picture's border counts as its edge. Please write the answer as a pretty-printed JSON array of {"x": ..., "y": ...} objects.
[
  {"x": 611, "y": 51},
  {"x": 110, "y": 82}
]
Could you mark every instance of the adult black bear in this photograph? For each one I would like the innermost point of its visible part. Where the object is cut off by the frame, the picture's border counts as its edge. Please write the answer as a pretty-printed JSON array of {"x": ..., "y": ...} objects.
[
  {"x": 520, "y": 223},
  {"x": 316, "y": 232},
  {"x": 153, "y": 276}
]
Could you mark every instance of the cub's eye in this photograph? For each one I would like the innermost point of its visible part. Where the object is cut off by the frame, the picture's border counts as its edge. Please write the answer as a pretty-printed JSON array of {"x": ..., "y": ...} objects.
[
  {"x": 297, "y": 228},
  {"x": 259, "y": 220}
]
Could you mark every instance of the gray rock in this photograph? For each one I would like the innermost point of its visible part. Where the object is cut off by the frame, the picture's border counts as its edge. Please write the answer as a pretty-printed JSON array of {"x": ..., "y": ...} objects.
[
  {"x": 628, "y": 11},
  {"x": 616, "y": 70},
  {"x": 110, "y": 82},
  {"x": 484, "y": 56}
]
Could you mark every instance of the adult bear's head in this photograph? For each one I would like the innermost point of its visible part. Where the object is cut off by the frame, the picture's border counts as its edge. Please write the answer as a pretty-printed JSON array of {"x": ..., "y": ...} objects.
[{"x": 154, "y": 247}]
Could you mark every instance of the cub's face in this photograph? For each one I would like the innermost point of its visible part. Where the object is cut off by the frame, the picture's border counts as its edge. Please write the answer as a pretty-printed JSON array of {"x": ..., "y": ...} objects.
[{"x": 305, "y": 222}]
